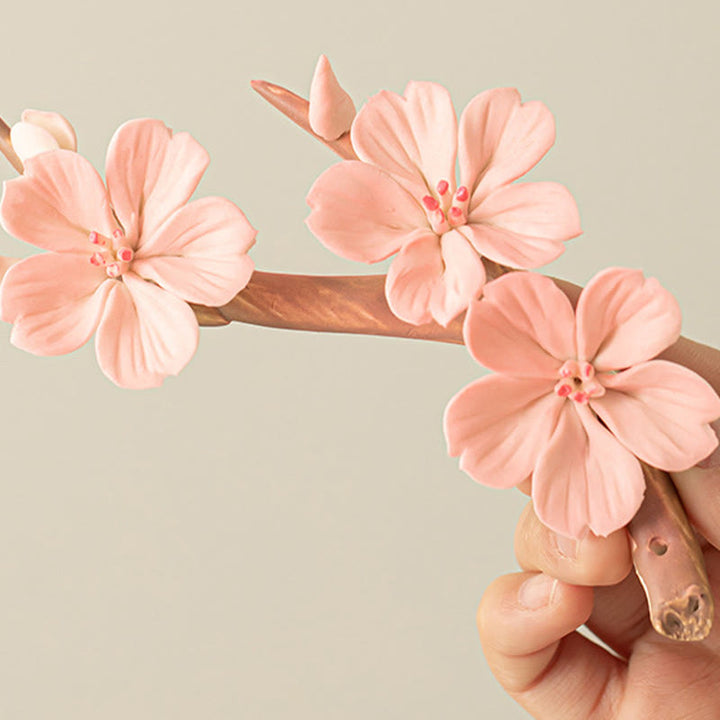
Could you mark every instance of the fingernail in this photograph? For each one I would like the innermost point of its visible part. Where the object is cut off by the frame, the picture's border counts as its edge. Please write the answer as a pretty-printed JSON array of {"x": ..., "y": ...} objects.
[
  {"x": 567, "y": 547},
  {"x": 536, "y": 592}
]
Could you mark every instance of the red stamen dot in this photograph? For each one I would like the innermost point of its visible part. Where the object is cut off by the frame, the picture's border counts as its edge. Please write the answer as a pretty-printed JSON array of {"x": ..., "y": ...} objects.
[
  {"x": 564, "y": 390},
  {"x": 462, "y": 193},
  {"x": 430, "y": 202},
  {"x": 117, "y": 234},
  {"x": 580, "y": 397},
  {"x": 97, "y": 259},
  {"x": 565, "y": 372},
  {"x": 125, "y": 254},
  {"x": 588, "y": 370},
  {"x": 93, "y": 238},
  {"x": 442, "y": 187},
  {"x": 455, "y": 211},
  {"x": 113, "y": 270}
]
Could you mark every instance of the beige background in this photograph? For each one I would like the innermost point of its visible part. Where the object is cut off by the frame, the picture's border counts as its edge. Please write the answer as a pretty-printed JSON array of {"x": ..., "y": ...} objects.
[{"x": 278, "y": 533}]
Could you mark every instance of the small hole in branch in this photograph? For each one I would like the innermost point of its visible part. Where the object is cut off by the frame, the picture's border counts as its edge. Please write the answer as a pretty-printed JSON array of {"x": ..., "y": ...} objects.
[{"x": 658, "y": 546}]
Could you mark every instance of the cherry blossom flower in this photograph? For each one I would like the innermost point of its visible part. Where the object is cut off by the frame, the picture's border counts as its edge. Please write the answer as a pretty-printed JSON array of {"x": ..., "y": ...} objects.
[
  {"x": 577, "y": 398},
  {"x": 401, "y": 196},
  {"x": 39, "y": 131},
  {"x": 124, "y": 260}
]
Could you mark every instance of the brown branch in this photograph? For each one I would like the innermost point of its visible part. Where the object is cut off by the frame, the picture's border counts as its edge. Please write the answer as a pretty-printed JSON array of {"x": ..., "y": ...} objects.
[
  {"x": 6, "y": 147},
  {"x": 669, "y": 562}
]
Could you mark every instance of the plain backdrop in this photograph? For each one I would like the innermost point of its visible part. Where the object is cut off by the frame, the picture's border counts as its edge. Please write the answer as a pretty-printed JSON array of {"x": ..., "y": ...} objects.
[{"x": 278, "y": 532}]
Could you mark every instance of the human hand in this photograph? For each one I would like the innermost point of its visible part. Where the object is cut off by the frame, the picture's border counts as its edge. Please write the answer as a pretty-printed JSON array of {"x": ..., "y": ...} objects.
[{"x": 527, "y": 620}]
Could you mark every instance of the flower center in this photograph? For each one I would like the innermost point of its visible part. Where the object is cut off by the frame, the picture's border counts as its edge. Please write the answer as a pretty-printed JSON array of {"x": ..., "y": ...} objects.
[
  {"x": 578, "y": 382},
  {"x": 111, "y": 253},
  {"x": 446, "y": 210}
]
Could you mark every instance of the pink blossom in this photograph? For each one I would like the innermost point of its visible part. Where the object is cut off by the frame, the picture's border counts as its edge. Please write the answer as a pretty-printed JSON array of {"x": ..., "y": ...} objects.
[
  {"x": 401, "y": 197},
  {"x": 577, "y": 398},
  {"x": 124, "y": 260}
]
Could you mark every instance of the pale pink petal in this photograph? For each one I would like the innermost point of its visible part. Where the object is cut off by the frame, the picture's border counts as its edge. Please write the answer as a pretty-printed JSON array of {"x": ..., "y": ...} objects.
[
  {"x": 413, "y": 138},
  {"x": 361, "y": 213},
  {"x": 661, "y": 412},
  {"x": 28, "y": 140},
  {"x": 56, "y": 203},
  {"x": 524, "y": 225},
  {"x": 331, "y": 110},
  {"x": 54, "y": 301},
  {"x": 200, "y": 253},
  {"x": 412, "y": 277},
  {"x": 624, "y": 319},
  {"x": 5, "y": 264},
  {"x": 145, "y": 335},
  {"x": 500, "y": 140},
  {"x": 462, "y": 279},
  {"x": 499, "y": 425},
  {"x": 57, "y": 125},
  {"x": 523, "y": 326},
  {"x": 151, "y": 173},
  {"x": 585, "y": 479}
]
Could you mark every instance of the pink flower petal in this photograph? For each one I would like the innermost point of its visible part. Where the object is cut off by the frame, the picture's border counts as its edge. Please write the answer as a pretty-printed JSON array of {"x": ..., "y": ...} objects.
[
  {"x": 200, "y": 253},
  {"x": 500, "y": 140},
  {"x": 56, "y": 124},
  {"x": 585, "y": 479},
  {"x": 28, "y": 140},
  {"x": 151, "y": 173},
  {"x": 361, "y": 213},
  {"x": 413, "y": 138},
  {"x": 661, "y": 412},
  {"x": 56, "y": 203},
  {"x": 499, "y": 425},
  {"x": 54, "y": 301},
  {"x": 412, "y": 277},
  {"x": 624, "y": 319},
  {"x": 145, "y": 334},
  {"x": 331, "y": 109},
  {"x": 462, "y": 279},
  {"x": 523, "y": 326},
  {"x": 524, "y": 225}
]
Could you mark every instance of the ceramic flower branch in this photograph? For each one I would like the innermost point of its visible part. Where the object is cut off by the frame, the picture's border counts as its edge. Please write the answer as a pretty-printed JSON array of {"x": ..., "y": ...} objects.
[{"x": 578, "y": 401}]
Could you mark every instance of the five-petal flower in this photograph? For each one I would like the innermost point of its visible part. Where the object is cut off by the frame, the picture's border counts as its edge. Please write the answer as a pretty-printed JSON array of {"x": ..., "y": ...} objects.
[
  {"x": 124, "y": 260},
  {"x": 402, "y": 197},
  {"x": 577, "y": 398}
]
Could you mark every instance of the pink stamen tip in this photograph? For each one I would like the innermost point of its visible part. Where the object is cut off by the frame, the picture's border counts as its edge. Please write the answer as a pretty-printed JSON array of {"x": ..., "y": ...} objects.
[
  {"x": 113, "y": 270},
  {"x": 430, "y": 202},
  {"x": 580, "y": 397},
  {"x": 462, "y": 193},
  {"x": 442, "y": 187},
  {"x": 564, "y": 390},
  {"x": 565, "y": 372},
  {"x": 587, "y": 370},
  {"x": 117, "y": 234},
  {"x": 125, "y": 254},
  {"x": 455, "y": 211},
  {"x": 97, "y": 259},
  {"x": 93, "y": 237}
]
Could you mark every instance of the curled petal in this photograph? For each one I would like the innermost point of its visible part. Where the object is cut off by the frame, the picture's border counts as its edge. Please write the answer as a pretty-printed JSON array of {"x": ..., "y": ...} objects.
[
  {"x": 523, "y": 326},
  {"x": 461, "y": 281},
  {"x": 413, "y": 138},
  {"x": 145, "y": 335},
  {"x": 412, "y": 277},
  {"x": 331, "y": 110},
  {"x": 28, "y": 140},
  {"x": 661, "y": 412},
  {"x": 57, "y": 125},
  {"x": 361, "y": 213},
  {"x": 150, "y": 174},
  {"x": 54, "y": 302},
  {"x": 501, "y": 139},
  {"x": 624, "y": 319},
  {"x": 499, "y": 426},
  {"x": 200, "y": 252},
  {"x": 585, "y": 479},
  {"x": 56, "y": 203}
]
